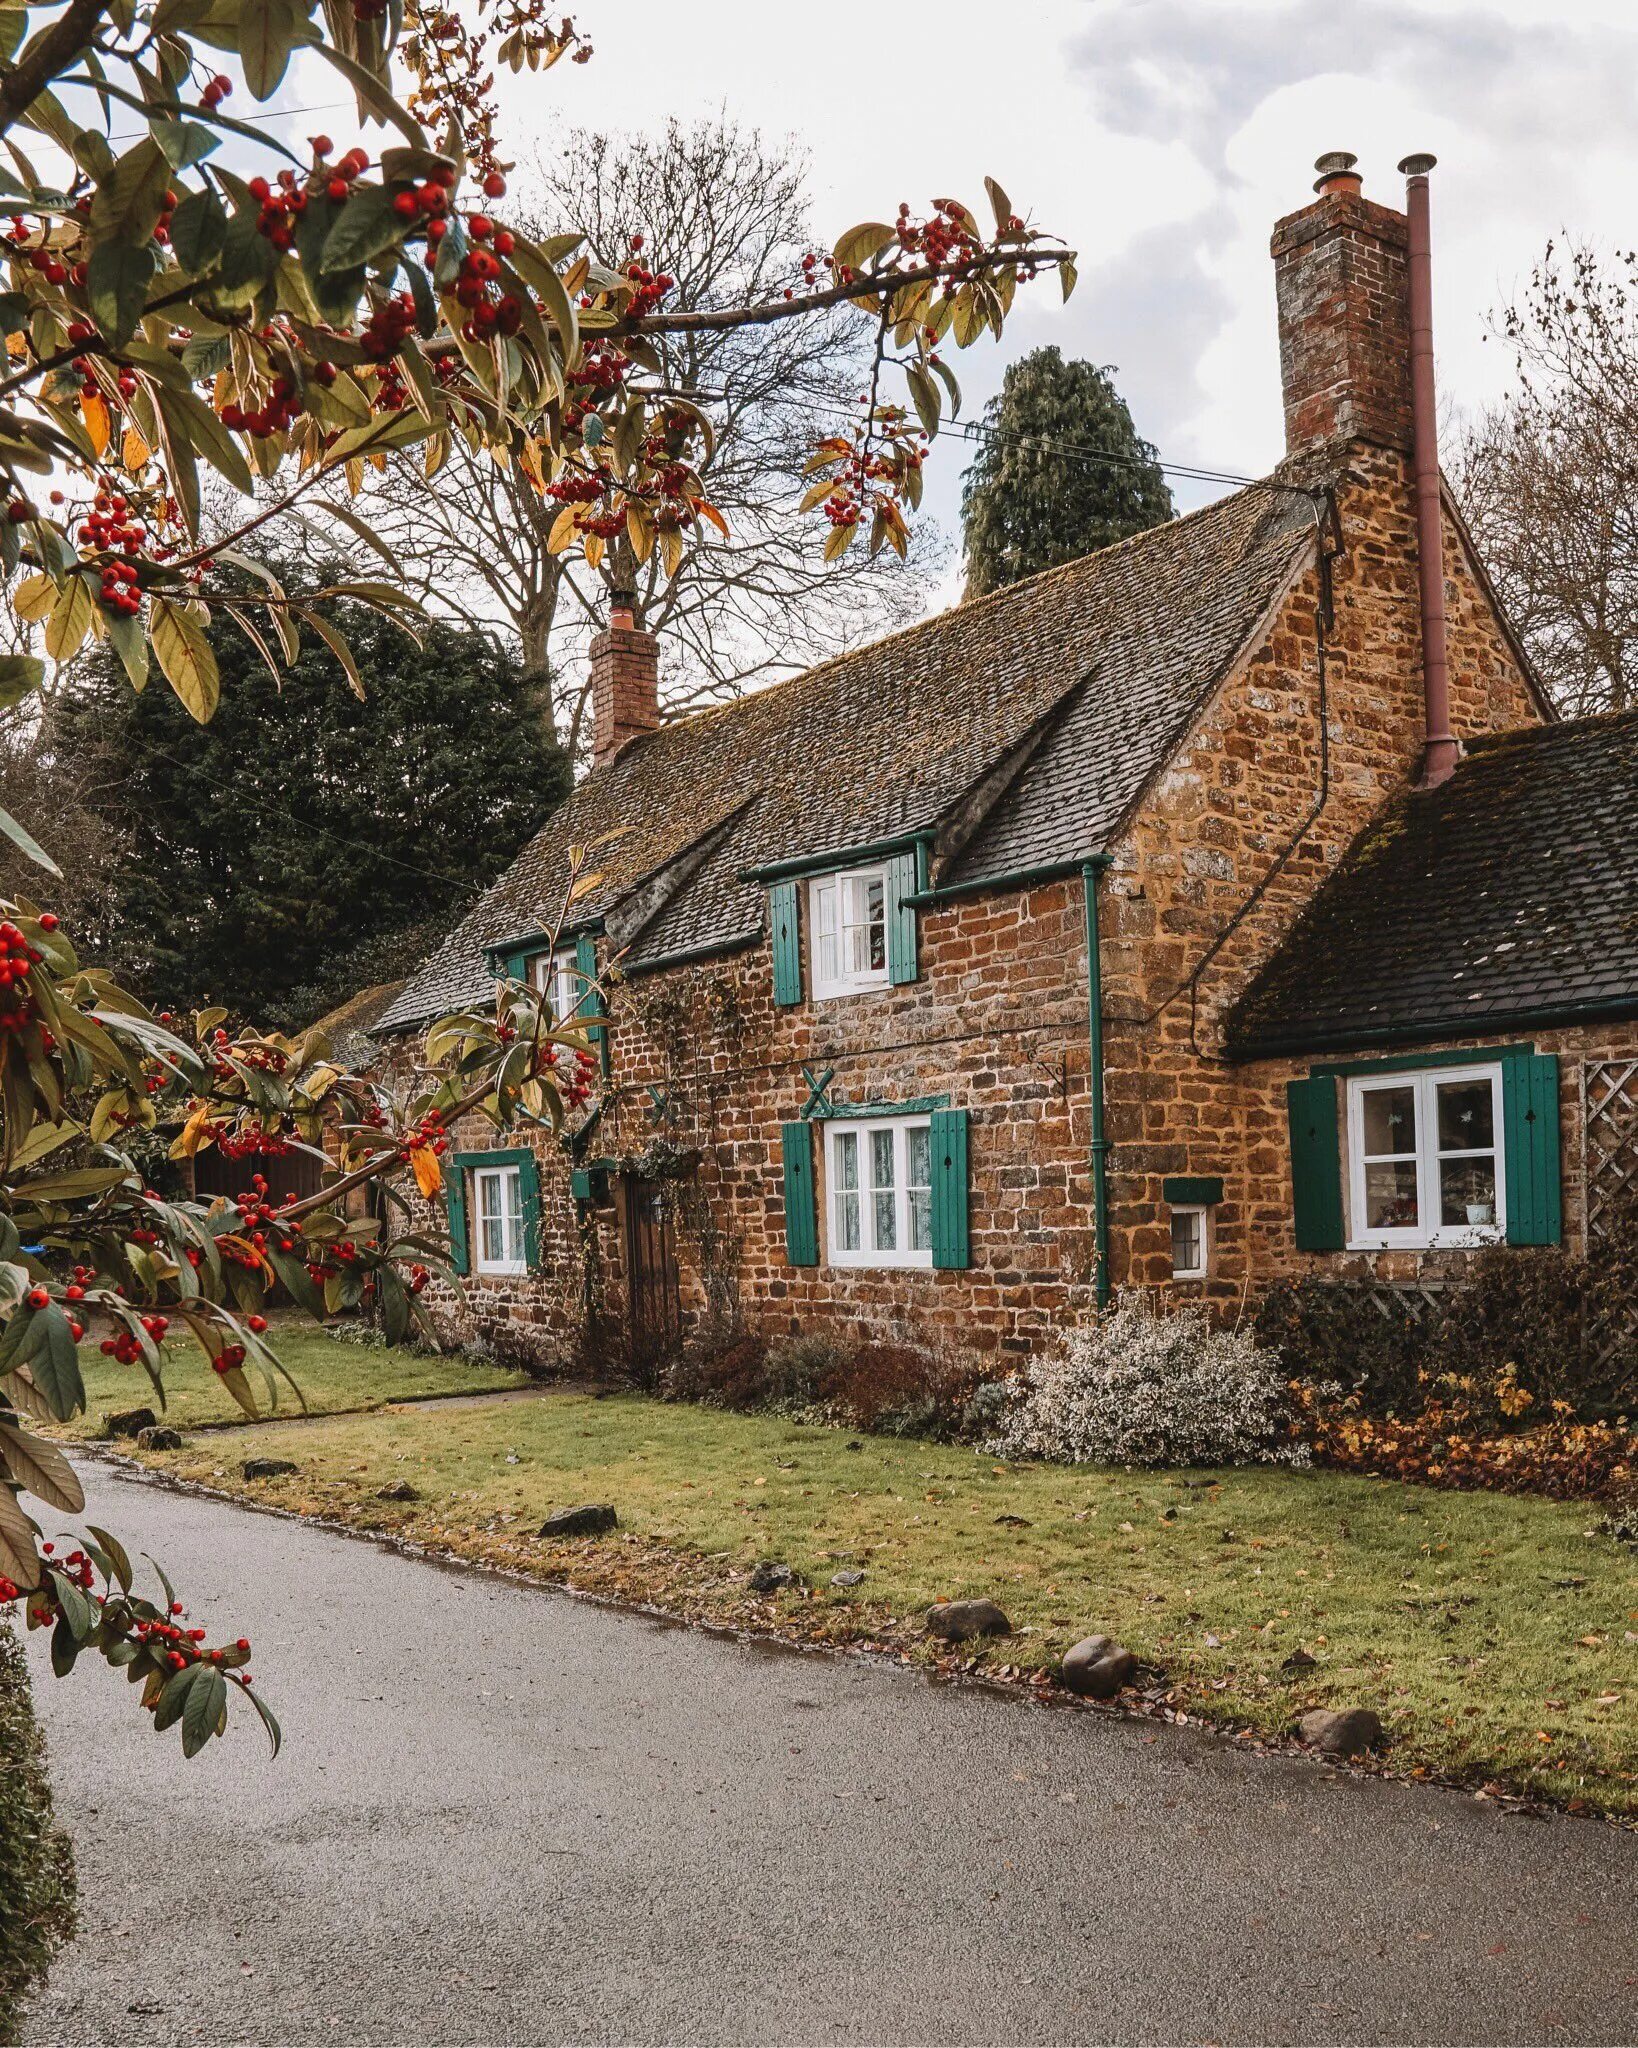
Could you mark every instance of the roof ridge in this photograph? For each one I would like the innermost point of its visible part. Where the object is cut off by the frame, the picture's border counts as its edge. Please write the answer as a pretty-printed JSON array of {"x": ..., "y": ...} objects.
[{"x": 1557, "y": 729}]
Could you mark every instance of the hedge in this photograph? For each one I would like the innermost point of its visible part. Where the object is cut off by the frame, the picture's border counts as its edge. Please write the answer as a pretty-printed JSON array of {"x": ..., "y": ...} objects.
[{"x": 36, "y": 1864}]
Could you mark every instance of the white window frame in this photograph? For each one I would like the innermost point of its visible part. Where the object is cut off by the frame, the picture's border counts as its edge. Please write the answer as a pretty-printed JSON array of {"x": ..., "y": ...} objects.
[
  {"x": 1203, "y": 1270},
  {"x": 867, "y": 1252},
  {"x": 1427, "y": 1234},
  {"x": 498, "y": 1177},
  {"x": 557, "y": 976},
  {"x": 827, "y": 895}
]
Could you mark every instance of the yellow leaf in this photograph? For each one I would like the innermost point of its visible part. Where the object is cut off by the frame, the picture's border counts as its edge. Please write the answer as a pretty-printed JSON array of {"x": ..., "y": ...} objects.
[
  {"x": 708, "y": 511},
  {"x": 97, "y": 423},
  {"x": 671, "y": 550},
  {"x": 70, "y": 619},
  {"x": 592, "y": 548},
  {"x": 186, "y": 657},
  {"x": 639, "y": 529},
  {"x": 193, "y": 1132},
  {"x": 34, "y": 597},
  {"x": 564, "y": 532},
  {"x": 429, "y": 1175}
]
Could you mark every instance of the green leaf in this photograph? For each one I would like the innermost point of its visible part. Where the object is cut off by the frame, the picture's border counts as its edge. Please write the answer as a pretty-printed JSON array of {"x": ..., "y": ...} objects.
[
  {"x": 185, "y": 143},
  {"x": 20, "y": 676},
  {"x": 174, "y": 1697},
  {"x": 208, "y": 436},
  {"x": 268, "y": 1721},
  {"x": 366, "y": 226},
  {"x": 19, "y": 1560},
  {"x": 117, "y": 1555},
  {"x": 269, "y": 31},
  {"x": 41, "y": 1469},
  {"x": 186, "y": 657},
  {"x": 54, "y": 1361},
  {"x": 130, "y": 199},
  {"x": 199, "y": 230},
  {"x": 120, "y": 274},
  {"x": 130, "y": 643},
  {"x": 204, "y": 1709}
]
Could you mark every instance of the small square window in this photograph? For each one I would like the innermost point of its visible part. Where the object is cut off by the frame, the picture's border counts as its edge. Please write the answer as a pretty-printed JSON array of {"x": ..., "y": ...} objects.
[
  {"x": 880, "y": 1191},
  {"x": 1189, "y": 1242},
  {"x": 498, "y": 1200},
  {"x": 847, "y": 926}
]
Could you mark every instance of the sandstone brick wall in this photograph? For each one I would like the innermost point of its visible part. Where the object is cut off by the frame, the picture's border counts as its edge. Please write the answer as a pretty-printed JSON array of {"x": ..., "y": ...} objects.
[
  {"x": 998, "y": 1019},
  {"x": 1214, "y": 829}
]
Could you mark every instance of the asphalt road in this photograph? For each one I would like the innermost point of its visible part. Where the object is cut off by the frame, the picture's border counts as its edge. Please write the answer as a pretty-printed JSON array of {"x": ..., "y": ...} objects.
[{"x": 503, "y": 1816}]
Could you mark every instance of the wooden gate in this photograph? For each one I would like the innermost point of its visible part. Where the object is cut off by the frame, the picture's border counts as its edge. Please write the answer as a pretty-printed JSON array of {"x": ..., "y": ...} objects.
[{"x": 653, "y": 1299}]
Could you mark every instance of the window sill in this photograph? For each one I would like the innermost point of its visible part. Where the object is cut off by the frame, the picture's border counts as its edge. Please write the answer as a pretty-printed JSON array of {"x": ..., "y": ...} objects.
[
  {"x": 1445, "y": 1241},
  {"x": 874, "y": 1262},
  {"x": 501, "y": 1272},
  {"x": 835, "y": 992}
]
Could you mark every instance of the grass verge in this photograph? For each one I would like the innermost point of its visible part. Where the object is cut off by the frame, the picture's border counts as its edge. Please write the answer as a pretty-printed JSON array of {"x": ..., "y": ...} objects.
[
  {"x": 1496, "y": 1635},
  {"x": 36, "y": 1866},
  {"x": 335, "y": 1376}
]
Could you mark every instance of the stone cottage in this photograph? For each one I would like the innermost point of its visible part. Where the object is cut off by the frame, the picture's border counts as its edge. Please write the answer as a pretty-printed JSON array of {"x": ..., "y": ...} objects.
[{"x": 1224, "y": 905}]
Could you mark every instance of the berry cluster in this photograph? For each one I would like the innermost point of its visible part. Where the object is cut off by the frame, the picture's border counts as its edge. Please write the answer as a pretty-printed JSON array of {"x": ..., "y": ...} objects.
[
  {"x": 427, "y": 1135},
  {"x": 648, "y": 289},
  {"x": 125, "y": 1348},
  {"x": 275, "y": 417},
  {"x": 17, "y": 957},
  {"x": 479, "y": 287},
  {"x": 216, "y": 90},
  {"x": 390, "y": 323},
  {"x": 76, "y": 1566}
]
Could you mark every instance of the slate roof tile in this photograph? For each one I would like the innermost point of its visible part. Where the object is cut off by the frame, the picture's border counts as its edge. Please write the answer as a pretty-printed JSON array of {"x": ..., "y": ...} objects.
[
  {"x": 1510, "y": 892},
  {"x": 888, "y": 740}
]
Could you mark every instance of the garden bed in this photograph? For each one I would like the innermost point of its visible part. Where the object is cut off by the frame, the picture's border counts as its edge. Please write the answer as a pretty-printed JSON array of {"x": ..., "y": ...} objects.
[{"x": 1497, "y": 1636}]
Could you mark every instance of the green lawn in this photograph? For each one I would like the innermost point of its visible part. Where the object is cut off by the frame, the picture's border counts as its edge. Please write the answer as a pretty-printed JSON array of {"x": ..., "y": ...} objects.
[
  {"x": 1497, "y": 1636},
  {"x": 334, "y": 1377}
]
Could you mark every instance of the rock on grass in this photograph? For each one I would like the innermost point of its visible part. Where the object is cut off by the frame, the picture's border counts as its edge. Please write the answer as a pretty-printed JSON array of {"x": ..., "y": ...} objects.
[
  {"x": 1350, "y": 1732},
  {"x": 268, "y": 1468},
  {"x": 961, "y": 1621},
  {"x": 1097, "y": 1667},
  {"x": 596, "y": 1518}
]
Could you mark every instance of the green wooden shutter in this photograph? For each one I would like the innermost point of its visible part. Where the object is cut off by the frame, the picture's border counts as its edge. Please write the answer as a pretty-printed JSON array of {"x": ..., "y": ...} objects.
[
  {"x": 801, "y": 1213},
  {"x": 1316, "y": 1163},
  {"x": 460, "y": 1253},
  {"x": 787, "y": 943},
  {"x": 591, "y": 1002},
  {"x": 948, "y": 1148},
  {"x": 1531, "y": 1147},
  {"x": 901, "y": 918},
  {"x": 513, "y": 962},
  {"x": 529, "y": 1195}
]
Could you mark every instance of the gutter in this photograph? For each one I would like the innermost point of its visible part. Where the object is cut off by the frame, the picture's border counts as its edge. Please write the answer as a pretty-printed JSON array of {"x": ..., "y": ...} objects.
[
  {"x": 1091, "y": 870},
  {"x": 1014, "y": 878},
  {"x": 1540, "y": 1018},
  {"x": 840, "y": 856}
]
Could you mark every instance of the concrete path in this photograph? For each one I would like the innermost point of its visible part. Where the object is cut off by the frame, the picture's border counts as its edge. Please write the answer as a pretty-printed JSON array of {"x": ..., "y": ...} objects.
[{"x": 503, "y": 1816}]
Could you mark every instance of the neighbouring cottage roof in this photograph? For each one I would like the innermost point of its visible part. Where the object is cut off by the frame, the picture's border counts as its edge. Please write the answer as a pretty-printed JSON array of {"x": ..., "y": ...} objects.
[
  {"x": 346, "y": 1028},
  {"x": 1084, "y": 676},
  {"x": 1505, "y": 897}
]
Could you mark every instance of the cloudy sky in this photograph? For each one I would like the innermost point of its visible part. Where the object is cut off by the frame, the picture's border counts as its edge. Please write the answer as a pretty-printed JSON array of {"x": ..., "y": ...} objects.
[{"x": 1163, "y": 138}]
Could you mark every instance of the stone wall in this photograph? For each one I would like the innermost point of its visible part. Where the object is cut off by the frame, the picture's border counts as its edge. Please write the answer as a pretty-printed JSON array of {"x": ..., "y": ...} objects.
[{"x": 1220, "y": 856}]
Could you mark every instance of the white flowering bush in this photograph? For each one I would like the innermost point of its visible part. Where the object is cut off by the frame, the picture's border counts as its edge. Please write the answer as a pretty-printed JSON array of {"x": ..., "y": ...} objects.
[{"x": 1142, "y": 1387}]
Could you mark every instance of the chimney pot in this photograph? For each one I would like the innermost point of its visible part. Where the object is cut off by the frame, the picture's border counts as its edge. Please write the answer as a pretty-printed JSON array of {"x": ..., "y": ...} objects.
[
  {"x": 1416, "y": 166},
  {"x": 1337, "y": 173}
]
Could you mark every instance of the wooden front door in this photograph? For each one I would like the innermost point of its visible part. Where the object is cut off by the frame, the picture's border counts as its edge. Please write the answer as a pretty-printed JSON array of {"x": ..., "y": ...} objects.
[{"x": 654, "y": 1309}]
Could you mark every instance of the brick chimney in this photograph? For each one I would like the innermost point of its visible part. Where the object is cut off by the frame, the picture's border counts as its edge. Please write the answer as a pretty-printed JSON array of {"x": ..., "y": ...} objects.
[
  {"x": 1341, "y": 284},
  {"x": 625, "y": 682}
]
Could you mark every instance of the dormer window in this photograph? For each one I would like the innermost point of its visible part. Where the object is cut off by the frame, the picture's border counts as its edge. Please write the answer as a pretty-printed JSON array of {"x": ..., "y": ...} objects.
[
  {"x": 556, "y": 976},
  {"x": 847, "y": 923}
]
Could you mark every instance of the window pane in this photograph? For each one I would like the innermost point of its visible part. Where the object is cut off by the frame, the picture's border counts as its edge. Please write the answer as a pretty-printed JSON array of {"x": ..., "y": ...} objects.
[
  {"x": 847, "y": 1221},
  {"x": 823, "y": 901},
  {"x": 1467, "y": 1190},
  {"x": 1467, "y": 1117},
  {"x": 876, "y": 915},
  {"x": 1390, "y": 1194},
  {"x": 884, "y": 1202},
  {"x": 847, "y": 1159},
  {"x": 918, "y": 1175},
  {"x": 1188, "y": 1250},
  {"x": 512, "y": 1188},
  {"x": 1389, "y": 1116}
]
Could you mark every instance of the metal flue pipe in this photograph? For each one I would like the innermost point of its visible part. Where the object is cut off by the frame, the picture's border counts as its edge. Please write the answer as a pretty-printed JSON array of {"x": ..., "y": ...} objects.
[{"x": 1440, "y": 758}]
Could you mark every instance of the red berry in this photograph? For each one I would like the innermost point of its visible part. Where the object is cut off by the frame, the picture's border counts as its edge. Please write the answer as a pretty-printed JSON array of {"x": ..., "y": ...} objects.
[
  {"x": 48, "y": 920},
  {"x": 38, "y": 1298}
]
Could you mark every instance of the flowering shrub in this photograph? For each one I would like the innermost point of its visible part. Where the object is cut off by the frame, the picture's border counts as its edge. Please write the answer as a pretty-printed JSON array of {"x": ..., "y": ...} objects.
[{"x": 1139, "y": 1387}]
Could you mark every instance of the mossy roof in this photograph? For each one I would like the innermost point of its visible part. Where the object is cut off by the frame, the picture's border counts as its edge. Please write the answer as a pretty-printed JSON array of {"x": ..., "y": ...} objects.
[{"x": 1084, "y": 676}]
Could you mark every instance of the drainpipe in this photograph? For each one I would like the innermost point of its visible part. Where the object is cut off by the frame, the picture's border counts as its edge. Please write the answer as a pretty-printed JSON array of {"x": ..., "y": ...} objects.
[
  {"x": 1440, "y": 759},
  {"x": 1090, "y": 871}
]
